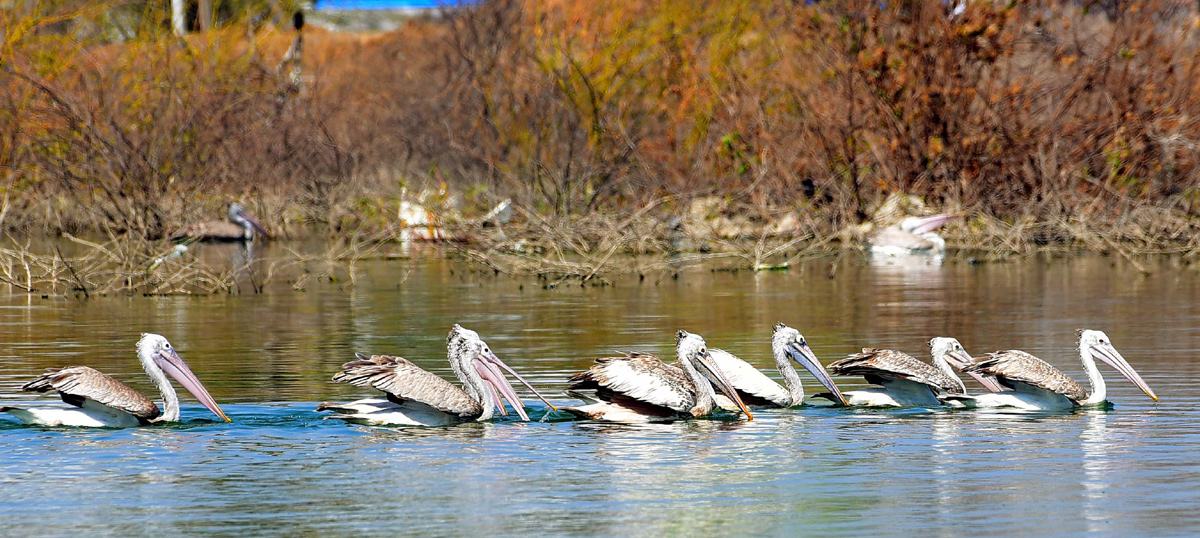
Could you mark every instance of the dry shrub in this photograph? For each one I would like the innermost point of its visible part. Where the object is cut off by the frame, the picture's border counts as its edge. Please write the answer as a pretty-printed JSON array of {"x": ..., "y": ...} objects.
[
  {"x": 138, "y": 137},
  {"x": 1052, "y": 123}
]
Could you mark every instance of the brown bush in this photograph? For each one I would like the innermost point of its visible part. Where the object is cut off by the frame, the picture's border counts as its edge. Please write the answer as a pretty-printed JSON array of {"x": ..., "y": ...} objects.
[{"x": 1082, "y": 121}]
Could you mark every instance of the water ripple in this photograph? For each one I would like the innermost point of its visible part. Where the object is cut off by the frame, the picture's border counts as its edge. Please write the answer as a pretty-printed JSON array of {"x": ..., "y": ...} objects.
[{"x": 281, "y": 470}]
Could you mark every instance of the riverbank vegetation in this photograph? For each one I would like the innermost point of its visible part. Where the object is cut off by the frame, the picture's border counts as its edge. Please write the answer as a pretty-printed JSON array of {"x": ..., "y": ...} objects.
[{"x": 760, "y": 130}]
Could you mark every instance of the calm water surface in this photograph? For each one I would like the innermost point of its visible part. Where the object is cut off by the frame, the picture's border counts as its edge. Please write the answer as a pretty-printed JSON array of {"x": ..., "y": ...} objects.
[{"x": 280, "y": 470}]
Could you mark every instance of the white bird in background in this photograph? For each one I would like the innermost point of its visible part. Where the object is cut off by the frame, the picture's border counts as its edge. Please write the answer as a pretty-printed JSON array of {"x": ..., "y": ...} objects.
[
  {"x": 913, "y": 236},
  {"x": 176, "y": 252}
]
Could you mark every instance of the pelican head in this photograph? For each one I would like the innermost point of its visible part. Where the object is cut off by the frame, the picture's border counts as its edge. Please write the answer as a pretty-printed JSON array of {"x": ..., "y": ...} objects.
[
  {"x": 238, "y": 215},
  {"x": 1098, "y": 346},
  {"x": 788, "y": 341},
  {"x": 693, "y": 351},
  {"x": 951, "y": 351},
  {"x": 472, "y": 359},
  {"x": 922, "y": 225},
  {"x": 158, "y": 356}
]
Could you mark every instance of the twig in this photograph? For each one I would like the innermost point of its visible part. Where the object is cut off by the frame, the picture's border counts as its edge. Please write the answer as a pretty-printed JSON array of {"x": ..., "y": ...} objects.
[{"x": 73, "y": 273}]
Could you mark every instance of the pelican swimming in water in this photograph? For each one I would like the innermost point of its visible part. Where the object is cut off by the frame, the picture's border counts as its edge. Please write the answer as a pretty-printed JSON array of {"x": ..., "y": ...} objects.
[
  {"x": 240, "y": 227},
  {"x": 948, "y": 355},
  {"x": 416, "y": 397},
  {"x": 904, "y": 381},
  {"x": 914, "y": 235},
  {"x": 759, "y": 391},
  {"x": 641, "y": 388},
  {"x": 1038, "y": 386},
  {"x": 101, "y": 401}
]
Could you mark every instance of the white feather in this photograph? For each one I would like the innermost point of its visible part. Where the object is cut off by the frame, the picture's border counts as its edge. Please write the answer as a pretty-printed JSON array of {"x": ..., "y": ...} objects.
[
  {"x": 613, "y": 413},
  {"x": 894, "y": 393},
  {"x": 748, "y": 379},
  {"x": 408, "y": 414},
  {"x": 92, "y": 415},
  {"x": 725, "y": 403},
  {"x": 1025, "y": 397},
  {"x": 365, "y": 405},
  {"x": 649, "y": 388}
]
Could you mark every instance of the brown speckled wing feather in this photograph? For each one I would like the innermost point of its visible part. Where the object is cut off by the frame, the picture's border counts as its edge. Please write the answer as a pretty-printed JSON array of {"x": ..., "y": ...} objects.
[
  {"x": 407, "y": 381},
  {"x": 885, "y": 363},
  {"x": 641, "y": 377},
  {"x": 77, "y": 383},
  {"x": 1019, "y": 366}
]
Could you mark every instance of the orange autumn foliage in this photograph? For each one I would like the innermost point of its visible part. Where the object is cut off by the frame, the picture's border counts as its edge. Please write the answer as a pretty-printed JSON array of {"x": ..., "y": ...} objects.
[{"x": 1045, "y": 110}]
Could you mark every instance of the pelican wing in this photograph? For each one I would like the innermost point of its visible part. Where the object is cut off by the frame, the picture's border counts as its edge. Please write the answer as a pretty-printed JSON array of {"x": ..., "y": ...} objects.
[
  {"x": 1018, "y": 366},
  {"x": 639, "y": 377},
  {"x": 750, "y": 380},
  {"x": 886, "y": 363},
  {"x": 894, "y": 237},
  {"x": 404, "y": 380},
  {"x": 210, "y": 230},
  {"x": 75, "y": 384}
]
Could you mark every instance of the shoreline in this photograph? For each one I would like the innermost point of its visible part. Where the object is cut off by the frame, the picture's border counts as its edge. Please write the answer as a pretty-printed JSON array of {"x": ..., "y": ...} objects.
[{"x": 79, "y": 267}]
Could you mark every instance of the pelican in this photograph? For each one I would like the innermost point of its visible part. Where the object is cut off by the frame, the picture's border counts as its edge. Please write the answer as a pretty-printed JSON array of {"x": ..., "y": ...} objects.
[
  {"x": 415, "y": 397},
  {"x": 240, "y": 227},
  {"x": 1038, "y": 386},
  {"x": 904, "y": 381},
  {"x": 914, "y": 235},
  {"x": 948, "y": 355},
  {"x": 101, "y": 401},
  {"x": 641, "y": 388},
  {"x": 759, "y": 391}
]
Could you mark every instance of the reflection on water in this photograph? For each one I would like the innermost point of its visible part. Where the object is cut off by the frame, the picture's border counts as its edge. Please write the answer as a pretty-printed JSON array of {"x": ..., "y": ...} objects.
[
  {"x": 1096, "y": 444},
  {"x": 279, "y": 469}
]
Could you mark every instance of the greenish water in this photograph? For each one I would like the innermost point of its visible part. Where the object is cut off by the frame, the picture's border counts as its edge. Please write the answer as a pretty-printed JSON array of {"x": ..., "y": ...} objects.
[{"x": 280, "y": 470}]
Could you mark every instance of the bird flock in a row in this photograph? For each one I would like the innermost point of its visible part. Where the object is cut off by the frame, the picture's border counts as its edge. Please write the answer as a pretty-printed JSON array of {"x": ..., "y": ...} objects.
[{"x": 636, "y": 387}]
